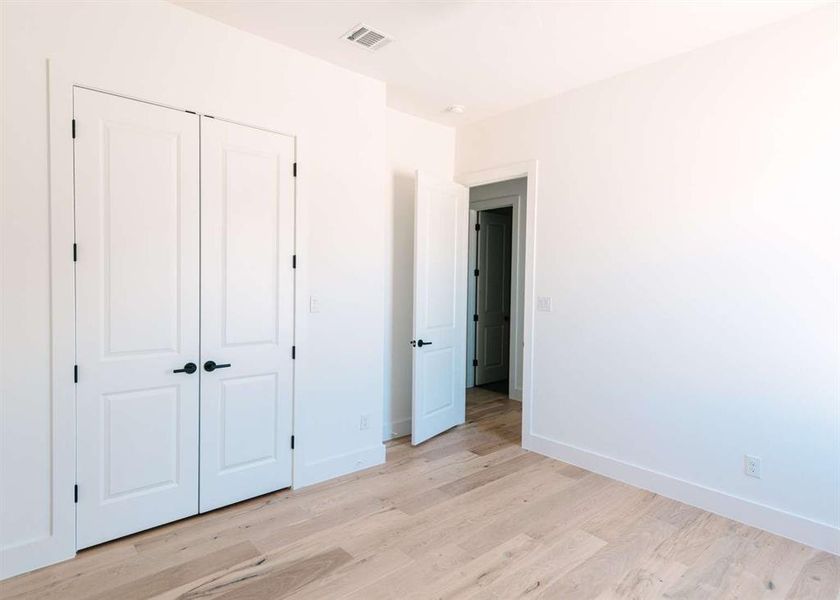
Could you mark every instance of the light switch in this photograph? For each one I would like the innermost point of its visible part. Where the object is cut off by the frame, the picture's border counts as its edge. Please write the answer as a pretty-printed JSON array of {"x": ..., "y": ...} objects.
[
  {"x": 314, "y": 304},
  {"x": 544, "y": 303}
]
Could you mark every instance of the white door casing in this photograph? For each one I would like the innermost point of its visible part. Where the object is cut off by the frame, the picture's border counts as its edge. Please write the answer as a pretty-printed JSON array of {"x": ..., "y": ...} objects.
[
  {"x": 493, "y": 297},
  {"x": 440, "y": 304},
  {"x": 247, "y": 319},
  {"x": 137, "y": 314}
]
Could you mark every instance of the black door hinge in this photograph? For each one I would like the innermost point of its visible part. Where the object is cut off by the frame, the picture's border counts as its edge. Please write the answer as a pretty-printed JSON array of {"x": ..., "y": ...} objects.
[
  {"x": 475, "y": 318},
  {"x": 475, "y": 272},
  {"x": 478, "y": 226},
  {"x": 74, "y": 252},
  {"x": 75, "y": 373},
  {"x": 293, "y": 352},
  {"x": 76, "y": 493},
  {"x": 293, "y": 442},
  {"x": 475, "y": 362},
  {"x": 294, "y": 169},
  {"x": 73, "y": 127},
  {"x": 294, "y": 261}
]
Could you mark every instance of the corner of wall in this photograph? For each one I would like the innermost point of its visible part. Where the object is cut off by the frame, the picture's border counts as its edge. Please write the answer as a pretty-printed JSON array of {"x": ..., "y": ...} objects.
[
  {"x": 813, "y": 533},
  {"x": 336, "y": 466},
  {"x": 396, "y": 429}
]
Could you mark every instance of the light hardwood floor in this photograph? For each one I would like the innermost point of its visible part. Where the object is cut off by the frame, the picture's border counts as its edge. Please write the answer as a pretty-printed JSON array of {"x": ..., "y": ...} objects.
[{"x": 468, "y": 514}]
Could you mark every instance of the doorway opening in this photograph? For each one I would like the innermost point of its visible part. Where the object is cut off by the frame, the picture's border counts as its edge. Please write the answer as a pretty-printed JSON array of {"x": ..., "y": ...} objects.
[
  {"x": 448, "y": 308},
  {"x": 495, "y": 315}
]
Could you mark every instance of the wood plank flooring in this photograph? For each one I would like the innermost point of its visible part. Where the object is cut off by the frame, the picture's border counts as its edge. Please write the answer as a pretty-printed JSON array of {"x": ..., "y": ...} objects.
[{"x": 468, "y": 514}]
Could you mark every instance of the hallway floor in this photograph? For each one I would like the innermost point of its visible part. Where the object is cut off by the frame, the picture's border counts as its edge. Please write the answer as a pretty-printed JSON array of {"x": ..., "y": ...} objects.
[
  {"x": 468, "y": 514},
  {"x": 500, "y": 387}
]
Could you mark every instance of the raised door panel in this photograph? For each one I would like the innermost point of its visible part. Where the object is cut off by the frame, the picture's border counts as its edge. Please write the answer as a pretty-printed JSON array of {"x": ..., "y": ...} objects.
[
  {"x": 140, "y": 273},
  {"x": 438, "y": 241},
  {"x": 131, "y": 420},
  {"x": 248, "y": 420},
  {"x": 250, "y": 266}
]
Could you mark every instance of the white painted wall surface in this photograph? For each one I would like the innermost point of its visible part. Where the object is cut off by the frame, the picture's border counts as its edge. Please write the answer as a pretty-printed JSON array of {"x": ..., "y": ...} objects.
[
  {"x": 161, "y": 52},
  {"x": 687, "y": 233},
  {"x": 413, "y": 143}
]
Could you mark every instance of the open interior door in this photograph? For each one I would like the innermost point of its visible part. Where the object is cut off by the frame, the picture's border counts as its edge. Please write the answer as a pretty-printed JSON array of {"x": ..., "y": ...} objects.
[{"x": 441, "y": 219}]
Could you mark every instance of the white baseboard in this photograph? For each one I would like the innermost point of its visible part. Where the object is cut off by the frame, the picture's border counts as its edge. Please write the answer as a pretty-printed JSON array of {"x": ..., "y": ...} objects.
[
  {"x": 22, "y": 559},
  {"x": 515, "y": 394},
  {"x": 801, "y": 529},
  {"x": 336, "y": 466},
  {"x": 396, "y": 429}
]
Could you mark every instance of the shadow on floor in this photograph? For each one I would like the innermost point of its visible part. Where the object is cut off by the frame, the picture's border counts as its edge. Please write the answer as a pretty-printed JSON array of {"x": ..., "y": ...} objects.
[{"x": 496, "y": 386}]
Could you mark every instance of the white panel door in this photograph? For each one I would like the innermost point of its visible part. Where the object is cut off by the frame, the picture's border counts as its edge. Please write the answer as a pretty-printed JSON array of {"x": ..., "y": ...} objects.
[
  {"x": 247, "y": 284},
  {"x": 493, "y": 302},
  {"x": 137, "y": 282},
  {"x": 441, "y": 217}
]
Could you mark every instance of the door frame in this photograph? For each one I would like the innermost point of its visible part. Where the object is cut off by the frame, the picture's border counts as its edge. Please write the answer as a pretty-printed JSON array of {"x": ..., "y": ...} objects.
[
  {"x": 529, "y": 169},
  {"x": 472, "y": 295},
  {"x": 60, "y": 543}
]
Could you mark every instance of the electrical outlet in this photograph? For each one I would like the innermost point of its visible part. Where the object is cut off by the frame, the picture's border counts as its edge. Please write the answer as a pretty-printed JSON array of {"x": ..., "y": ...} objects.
[
  {"x": 752, "y": 466},
  {"x": 314, "y": 304},
  {"x": 544, "y": 303},
  {"x": 364, "y": 422}
]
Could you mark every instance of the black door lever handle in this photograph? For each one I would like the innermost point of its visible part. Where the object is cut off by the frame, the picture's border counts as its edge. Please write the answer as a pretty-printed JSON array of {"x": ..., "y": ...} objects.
[
  {"x": 189, "y": 369},
  {"x": 421, "y": 343},
  {"x": 211, "y": 366}
]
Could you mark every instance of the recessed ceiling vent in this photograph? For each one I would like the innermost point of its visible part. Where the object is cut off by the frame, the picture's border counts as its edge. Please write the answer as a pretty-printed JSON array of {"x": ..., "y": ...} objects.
[{"x": 367, "y": 37}]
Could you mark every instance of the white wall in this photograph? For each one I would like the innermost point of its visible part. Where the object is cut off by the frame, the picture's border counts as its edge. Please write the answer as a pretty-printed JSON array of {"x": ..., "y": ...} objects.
[
  {"x": 160, "y": 52},
  {"x": 413, "y": 143},
  {"x": 687, "y": 233}
]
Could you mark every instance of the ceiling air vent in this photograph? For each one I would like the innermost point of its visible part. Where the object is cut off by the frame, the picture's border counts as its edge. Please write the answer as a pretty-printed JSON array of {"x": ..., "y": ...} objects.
[{"x": 367, "y": 38}]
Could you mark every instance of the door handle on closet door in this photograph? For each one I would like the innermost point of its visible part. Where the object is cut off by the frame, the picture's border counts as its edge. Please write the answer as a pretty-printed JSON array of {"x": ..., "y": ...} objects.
[
  {"x": 188, "y": 368},
  {"x": 211, "y": 366},
  {"x": 421, "y": 343}
]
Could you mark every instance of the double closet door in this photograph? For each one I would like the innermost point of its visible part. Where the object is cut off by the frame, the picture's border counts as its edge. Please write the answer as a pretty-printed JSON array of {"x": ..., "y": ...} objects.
[{"x": 184, "y": 313}]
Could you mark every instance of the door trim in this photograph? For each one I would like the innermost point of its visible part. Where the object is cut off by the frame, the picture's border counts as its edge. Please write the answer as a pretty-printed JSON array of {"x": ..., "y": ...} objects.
[
  {"x": 60, "y": 543},
  {"x": 529, "y": 169}
]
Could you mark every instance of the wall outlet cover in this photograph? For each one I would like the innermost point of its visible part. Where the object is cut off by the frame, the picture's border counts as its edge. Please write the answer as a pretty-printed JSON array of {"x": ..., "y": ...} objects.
[{"x": 752, "y": 466}]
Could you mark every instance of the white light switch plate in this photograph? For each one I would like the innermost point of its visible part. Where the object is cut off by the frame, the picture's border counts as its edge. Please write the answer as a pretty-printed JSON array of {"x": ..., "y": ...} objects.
[
  {"x": 544, "y": 303},
  {"x": 314, "y": 304}
]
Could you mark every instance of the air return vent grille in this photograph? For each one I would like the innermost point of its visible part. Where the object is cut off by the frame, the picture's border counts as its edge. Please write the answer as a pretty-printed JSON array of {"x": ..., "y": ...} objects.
[{"x": 367, "y": 37}]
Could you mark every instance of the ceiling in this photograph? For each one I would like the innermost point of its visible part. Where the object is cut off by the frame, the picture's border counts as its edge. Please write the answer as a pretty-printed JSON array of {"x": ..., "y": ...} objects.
[{"x": 494, "y": 56}]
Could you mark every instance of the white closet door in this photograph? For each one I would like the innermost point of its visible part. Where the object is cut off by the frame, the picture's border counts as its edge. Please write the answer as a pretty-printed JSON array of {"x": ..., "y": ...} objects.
[
  {"x": 247, "y": 283},
  {"x": 137, "y": 282},
  {"x": 441, "y": 217}
]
